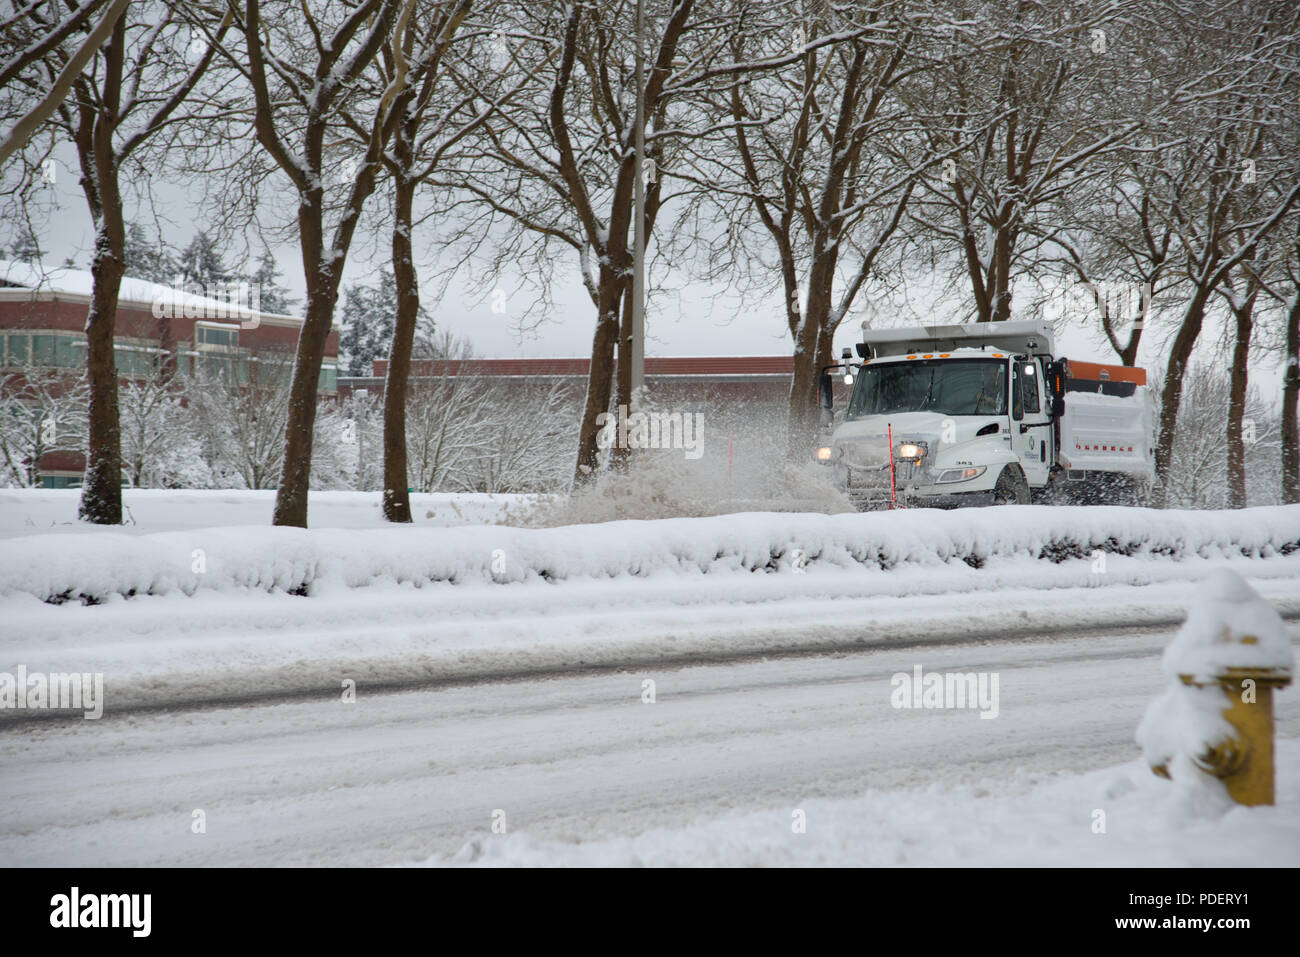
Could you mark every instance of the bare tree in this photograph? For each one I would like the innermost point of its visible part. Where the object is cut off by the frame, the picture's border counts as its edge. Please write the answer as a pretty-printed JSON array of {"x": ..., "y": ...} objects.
[
  {"x": 433, "y": 121},
  {"x": 559, "y": 164},
  {"x": 449, "y": 429},
  {"x": 1241, "y": 294},
  {"x": 1291, "y": 379},
  {"x": 42, "y": 410},
  {"x": 806, "y": 156},
  {"x": 1244, "y": 180},
  {"x": 157, "y": 431},
  {"x": 241, "y": 404},
  {"x": 530, "y": 441},
  {"x": 36, "y": 31},
  {"x": 1028, "y": 91},
  {"x": 1198, "y": 478},
  {"x": 124, "y": 96},
  {"x": 303, "y": 65}
]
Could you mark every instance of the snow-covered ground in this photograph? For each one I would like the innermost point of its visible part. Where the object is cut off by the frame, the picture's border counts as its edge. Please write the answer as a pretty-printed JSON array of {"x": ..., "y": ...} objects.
[
  {"x": 25, "y": 512},
  {"x": 499, "y": 668},
  {"x": 1120, "y": 816},
  {"x": 583, "y": 769},
  {"x": 202, "y": 614}
]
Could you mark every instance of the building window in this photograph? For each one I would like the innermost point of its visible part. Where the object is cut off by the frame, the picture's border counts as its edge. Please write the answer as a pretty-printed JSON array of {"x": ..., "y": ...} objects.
[
  {"x": 224, "y": 337},
  {"x": 132, "y": 361},
  {"x": 17, "y": 350},
  {"x": 63, "y": 352},
  {"x": 215, "y": 367},
  {"x": 329, "y": 377}
]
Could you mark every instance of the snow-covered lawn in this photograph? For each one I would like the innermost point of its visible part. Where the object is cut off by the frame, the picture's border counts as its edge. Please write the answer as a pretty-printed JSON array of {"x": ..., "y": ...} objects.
[
  {"x": 1122, "y": 816},
  {"x": 26, "y": 512}
]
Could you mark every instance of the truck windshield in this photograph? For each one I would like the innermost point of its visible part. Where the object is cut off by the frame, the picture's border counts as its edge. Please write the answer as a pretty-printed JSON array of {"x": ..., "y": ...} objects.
[{"x": 946, "y": 386}]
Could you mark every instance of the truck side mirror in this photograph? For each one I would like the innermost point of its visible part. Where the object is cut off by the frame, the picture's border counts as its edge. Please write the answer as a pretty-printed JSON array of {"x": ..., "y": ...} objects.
[
  {"x": 1056, "y": 374},
  {"x": 1056, "y": 407},
  {"x": 826, "y": 401}
]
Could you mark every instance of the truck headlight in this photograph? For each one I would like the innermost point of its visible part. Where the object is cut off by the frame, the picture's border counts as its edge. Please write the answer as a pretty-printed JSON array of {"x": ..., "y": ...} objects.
[
  {"x": 824, "y": 454},
  {"x": 959, "y": 475},
  {"x": 911, "y": 451}
]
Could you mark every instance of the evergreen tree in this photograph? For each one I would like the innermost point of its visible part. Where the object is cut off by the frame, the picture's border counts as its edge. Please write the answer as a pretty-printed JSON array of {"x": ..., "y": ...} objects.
[
  {"x": 202, "y": 262},
  {"x": 26, "y": 246},
  {"x": 146, "y": 259},
  {"x": 368, "y": 316},
  {"x": 275, "y": 298},
  {"x": 367, "y": 328}
]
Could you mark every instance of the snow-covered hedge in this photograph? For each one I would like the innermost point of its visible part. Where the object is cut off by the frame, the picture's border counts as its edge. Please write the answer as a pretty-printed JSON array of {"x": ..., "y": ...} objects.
[{"x": 90, "y": 567}]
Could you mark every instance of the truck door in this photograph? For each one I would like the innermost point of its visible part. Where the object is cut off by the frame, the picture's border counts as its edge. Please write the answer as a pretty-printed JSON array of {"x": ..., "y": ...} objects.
[{"x": 1031, "y": 425}]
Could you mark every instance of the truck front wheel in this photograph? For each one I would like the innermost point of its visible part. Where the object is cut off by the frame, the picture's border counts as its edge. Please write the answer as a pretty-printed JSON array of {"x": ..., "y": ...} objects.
[{"x": 1012, "y": 487}]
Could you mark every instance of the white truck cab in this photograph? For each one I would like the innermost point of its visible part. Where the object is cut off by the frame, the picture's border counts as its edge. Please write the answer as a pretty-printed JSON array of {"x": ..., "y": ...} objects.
[{"x": 985, "y": 414}]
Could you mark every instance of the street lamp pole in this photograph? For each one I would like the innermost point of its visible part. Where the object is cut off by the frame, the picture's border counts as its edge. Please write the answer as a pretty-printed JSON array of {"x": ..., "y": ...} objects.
[{"x": 638, "y": 248}]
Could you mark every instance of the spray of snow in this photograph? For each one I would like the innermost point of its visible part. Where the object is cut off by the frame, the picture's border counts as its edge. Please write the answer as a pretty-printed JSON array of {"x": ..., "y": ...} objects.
[{"x": 664, "y": 484}]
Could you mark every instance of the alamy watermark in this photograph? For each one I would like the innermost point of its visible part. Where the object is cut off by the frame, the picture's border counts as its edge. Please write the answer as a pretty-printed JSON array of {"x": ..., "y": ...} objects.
[
  {"x": 55, "y": 691},
  {"x": 652, "y": 430},
  {"x": 130, "y": 911},
  {"x": 977, "y": 690},
  {"x": 215, "y": 300}
]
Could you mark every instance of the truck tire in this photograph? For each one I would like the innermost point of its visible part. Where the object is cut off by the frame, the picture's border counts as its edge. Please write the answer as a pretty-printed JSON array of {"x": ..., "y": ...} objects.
[{"x": 1012, "y": 487}]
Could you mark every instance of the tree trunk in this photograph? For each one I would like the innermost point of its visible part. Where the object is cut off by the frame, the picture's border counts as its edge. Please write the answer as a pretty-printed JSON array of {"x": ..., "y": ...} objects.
[
  {"x": 323, "y": 269},
  {"x": 801, "y": 422},
  {"x": 295, "y": 476},
  {"x": 397, "y": 502},
  {"x": 1290, "y": 402},
  {"x": 1002, "y": 246},
  {"x": 101, "y": 494},
  {"x": 600, "y": 376},
  {"x": 1172, "y": 397},
  {"x": 812, "y": 346},
  {"x": 1237, "y": 405}
]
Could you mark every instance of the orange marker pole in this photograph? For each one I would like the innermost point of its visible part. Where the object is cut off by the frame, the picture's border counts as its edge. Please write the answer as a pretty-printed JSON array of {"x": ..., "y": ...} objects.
[{"x": 893, "y": 494}]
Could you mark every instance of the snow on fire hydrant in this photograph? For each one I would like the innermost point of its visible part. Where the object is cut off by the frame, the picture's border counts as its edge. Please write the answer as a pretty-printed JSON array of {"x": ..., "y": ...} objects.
[{"x": 1215, "y": 718}]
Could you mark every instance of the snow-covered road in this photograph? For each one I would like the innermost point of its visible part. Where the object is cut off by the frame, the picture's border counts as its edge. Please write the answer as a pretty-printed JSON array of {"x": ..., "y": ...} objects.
[{"x": 399, "y": 777}]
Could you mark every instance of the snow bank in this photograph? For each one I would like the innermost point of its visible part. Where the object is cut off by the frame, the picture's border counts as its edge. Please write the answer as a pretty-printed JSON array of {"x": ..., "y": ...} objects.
[
  {"x": 1142, "y": 823},
  {"x": 89, "y": 568}
]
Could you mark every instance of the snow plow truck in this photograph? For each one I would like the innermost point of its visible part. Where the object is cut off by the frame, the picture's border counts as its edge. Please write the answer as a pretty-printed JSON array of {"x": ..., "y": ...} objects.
[{"x": 984, "y": 414}]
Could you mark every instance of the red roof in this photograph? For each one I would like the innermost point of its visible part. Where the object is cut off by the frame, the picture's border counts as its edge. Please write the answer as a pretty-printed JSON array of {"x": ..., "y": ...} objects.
[{"x": 703, "y": 366}]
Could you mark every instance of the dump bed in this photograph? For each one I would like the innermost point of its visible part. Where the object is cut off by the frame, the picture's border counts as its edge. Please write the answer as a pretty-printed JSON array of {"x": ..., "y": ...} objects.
[{"x": 1109, "y": 420}]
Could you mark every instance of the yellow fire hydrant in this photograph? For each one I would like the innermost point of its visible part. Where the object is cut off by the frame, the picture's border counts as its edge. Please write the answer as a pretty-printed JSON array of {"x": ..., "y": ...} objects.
[
  {"x": 1216, "y": 715},
  {"x": 1244, "y": 761}
]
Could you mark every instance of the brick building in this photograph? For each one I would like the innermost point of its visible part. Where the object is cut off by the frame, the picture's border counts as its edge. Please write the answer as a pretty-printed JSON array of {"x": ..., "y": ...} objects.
[
  {"x": 730, "y": 380},
  {"x": 42, "y": 325}
]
